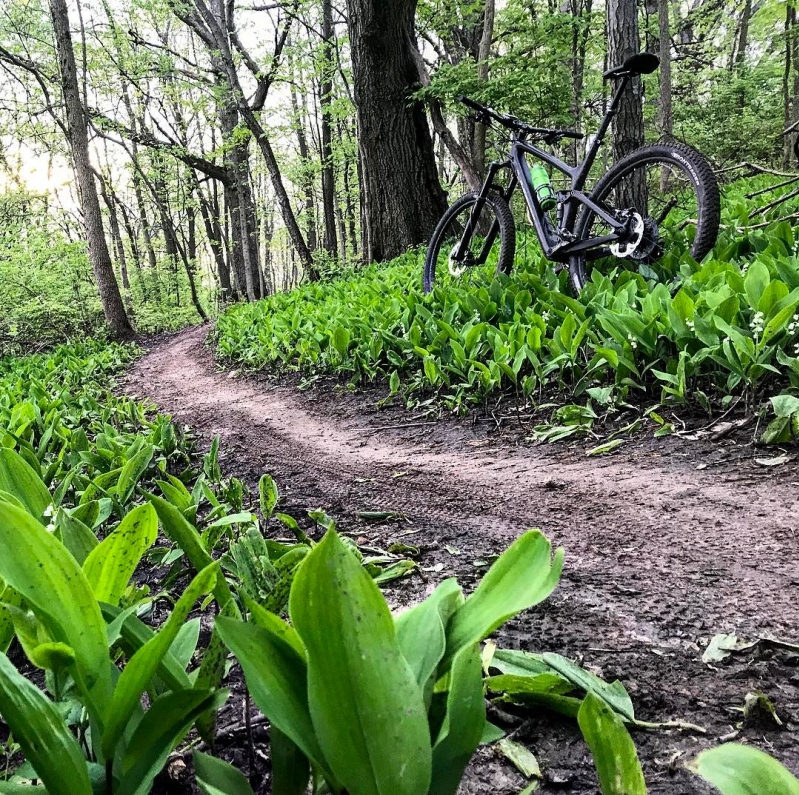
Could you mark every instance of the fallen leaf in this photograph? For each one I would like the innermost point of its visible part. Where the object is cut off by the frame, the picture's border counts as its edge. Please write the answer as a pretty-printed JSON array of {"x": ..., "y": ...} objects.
[
  {"x": 523, "y": 759},
  {"x": 723, "y": 645},
  {"x": 773, "y": 462}
]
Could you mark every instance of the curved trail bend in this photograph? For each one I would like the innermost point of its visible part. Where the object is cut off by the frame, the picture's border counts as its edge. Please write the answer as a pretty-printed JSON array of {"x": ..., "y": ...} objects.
[{"x": 659, "y": 555}]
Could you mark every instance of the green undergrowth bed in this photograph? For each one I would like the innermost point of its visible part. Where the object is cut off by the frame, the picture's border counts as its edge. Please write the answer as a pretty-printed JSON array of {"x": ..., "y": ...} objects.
[{"x": 704, "y": 334}]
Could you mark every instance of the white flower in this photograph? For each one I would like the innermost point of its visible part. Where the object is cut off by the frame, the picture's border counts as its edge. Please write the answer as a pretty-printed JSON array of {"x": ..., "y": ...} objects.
[
  {"x": 633, "y": 341},
  {"x": 690, "y": 324},
  {"x": 545, "y": 316}
]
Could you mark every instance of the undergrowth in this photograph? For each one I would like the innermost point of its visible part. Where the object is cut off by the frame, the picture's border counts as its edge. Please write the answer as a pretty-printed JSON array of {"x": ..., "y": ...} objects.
[{"x": 706, "y": 333}]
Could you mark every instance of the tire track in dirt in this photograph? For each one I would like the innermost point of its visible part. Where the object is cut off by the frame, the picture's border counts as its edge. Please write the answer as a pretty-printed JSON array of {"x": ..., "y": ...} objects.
[{"x": 659, "y": 554}]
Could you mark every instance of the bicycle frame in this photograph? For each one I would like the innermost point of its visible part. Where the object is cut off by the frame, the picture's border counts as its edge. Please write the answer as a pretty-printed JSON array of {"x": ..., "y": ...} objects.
[{"x": 557, "y": 244}]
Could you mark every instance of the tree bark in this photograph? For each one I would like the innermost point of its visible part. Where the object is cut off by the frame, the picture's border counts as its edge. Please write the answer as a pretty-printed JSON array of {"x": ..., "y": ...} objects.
[
  {"x": 623, "y": 41},
  {"x": 483, "y": 54},
  {"x": 403, "y": 197},
  {"x": 306, "y": 182},
  {"x": 325, "y": 102},
  {"x": 664, "y": 27},
  {"x": 77, "y": 127}
]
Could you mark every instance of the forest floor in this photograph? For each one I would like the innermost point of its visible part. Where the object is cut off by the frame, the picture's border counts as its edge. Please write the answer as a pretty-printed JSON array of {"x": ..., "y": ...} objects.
[{"x": 668, "y": 542}]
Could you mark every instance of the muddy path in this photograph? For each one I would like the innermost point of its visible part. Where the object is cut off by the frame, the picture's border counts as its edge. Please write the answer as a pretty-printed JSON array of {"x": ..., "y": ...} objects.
[{"x": 660, "y": 555}]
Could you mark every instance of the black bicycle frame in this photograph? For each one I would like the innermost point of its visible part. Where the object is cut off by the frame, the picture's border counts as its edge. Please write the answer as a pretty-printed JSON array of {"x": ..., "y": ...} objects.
[{"x": 557, "y": 244}]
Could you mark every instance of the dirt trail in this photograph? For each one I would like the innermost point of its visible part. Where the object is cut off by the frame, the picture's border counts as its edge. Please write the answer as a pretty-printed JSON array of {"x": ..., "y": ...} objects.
[{"x": 660, "y": 555}]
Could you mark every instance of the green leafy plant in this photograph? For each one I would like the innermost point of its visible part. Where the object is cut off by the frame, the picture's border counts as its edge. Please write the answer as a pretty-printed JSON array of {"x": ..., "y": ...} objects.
[
  {"x": 740, "y": 770},
  {"x": 407, "y": 687},
  {"x": 126, "y": 745}
]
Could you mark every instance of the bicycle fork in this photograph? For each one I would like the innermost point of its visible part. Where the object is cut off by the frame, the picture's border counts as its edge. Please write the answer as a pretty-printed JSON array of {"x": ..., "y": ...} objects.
[{"x": 461, "y": 250}]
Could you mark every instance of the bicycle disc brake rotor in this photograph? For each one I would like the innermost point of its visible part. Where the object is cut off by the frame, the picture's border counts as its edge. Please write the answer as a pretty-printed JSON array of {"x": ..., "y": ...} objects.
[
  {"x": 626, "y": 248},
  {"x": 455, "y": 268},
  {"x": 648, "y": 249}
]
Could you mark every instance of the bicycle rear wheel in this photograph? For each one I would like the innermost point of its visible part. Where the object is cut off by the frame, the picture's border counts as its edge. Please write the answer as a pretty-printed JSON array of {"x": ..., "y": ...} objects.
[
  {"x": 672, "y": 197},
  {"x": 487, "y": 253}
]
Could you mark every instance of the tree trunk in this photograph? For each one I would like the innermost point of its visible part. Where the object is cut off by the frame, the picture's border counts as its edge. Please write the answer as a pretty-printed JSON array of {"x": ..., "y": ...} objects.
[
  {"x": 402, "y": 195},
  {"x": 483, "y": 54},
  {"x": 325, "y": 102},
  {"x": 623, "y": 41},
  {"x": 306, "y": 182},
  {"x": 742, "y": 39},
  {"x": 581, "y": 30},
  {"x": 110, "y": 298},
  {"x": 790, "y": 24},
  {"x": 119, "y": 245},
  {"x": 665, "y": 115}
]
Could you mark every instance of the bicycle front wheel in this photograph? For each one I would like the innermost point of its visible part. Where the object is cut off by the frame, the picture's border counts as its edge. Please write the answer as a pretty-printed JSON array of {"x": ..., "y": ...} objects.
[
  {"x": 671, "y": 198},
  {"x": 487, "y": 251}
]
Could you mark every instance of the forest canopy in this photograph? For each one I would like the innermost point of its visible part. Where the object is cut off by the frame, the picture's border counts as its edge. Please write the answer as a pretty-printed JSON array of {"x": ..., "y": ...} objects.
[{"x": 162, "y": 158}]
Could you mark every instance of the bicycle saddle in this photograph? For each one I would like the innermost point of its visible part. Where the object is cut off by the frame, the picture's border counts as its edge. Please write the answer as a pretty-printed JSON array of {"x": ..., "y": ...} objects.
[{"x": 643, "y": 63}]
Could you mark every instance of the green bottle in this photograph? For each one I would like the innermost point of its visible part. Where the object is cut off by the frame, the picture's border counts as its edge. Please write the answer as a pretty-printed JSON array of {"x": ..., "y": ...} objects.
[{"x": 543, "y": 187}]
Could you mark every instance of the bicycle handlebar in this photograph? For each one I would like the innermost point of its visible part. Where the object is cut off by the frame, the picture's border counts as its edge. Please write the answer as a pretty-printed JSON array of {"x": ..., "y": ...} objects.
[{"x": 513, "y": 123}]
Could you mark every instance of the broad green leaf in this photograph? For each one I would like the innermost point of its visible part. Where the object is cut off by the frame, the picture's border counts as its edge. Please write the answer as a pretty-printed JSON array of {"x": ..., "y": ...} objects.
[
  {"x": 290, "y": 767},
  {"x": 42, "y": 734},
  {"x": 512, "y": 661},
  {"x": 341, "y": 340},
  {"x": 49, "y": 579},
  {"x": 612, "y": 748},
  {"x": 267, "y": 495},
  {"x": 463, "y": 724},
  {"x": 134, "y": 634},
  {"x": 212, "y": 669},
  {"x": 277, "y": 679},
  {"x": 142, "y": 666},
  {"x": 19, "y": 479},
  {"x": 185, "y": 643},
  {"x": 261, "y": 617},
  {"x": 613, "y": 694},
  {"x": 785, "y": 405},
  {"x": 742, "y": 770},
  {"x": 215, "y": 777},
  {"x": 522, "y": 758},
  {"x": 132, "y": 471},
  {"x": 358, "y": 677},
  {"x": 421, "y": 629},
  {"x": 755, "y": 283},
  {"x": 524, "y": 575},
  {"x": 163, "y": 726},
  {"x": 77, "y": 537},
  {"x": 515, "y": 685},
  {"x": 185, "y": 535},
  {"x": 111, "y": 564}
]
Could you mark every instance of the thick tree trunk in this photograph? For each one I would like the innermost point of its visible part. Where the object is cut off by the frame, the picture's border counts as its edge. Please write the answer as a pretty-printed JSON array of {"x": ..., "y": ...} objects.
[
  {"x": 623, "y": 41},
  {"x": 403, "y": 198},
  {"x": 325, "y": 102},
  {"x": 110, "y": 298}
]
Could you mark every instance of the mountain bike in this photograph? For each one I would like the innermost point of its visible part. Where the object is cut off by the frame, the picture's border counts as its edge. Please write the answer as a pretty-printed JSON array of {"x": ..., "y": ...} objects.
[{"x": 634, "y": 211}]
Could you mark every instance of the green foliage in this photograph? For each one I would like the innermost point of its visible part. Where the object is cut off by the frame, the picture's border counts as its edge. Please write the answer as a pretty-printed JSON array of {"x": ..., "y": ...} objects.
[
  {"x": 408, "y": 687},
  {"x": 740, "y": 770},
  {"x": 727, "y": 326}
]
